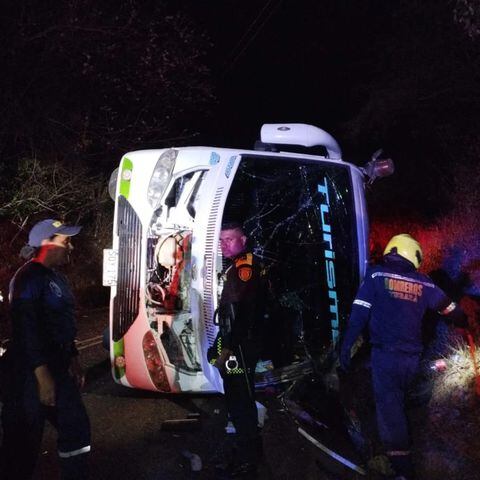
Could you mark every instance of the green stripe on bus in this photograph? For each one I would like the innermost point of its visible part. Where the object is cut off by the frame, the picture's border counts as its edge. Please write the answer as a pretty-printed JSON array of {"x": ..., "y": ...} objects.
[
  {"x": 118, "y": 351},
  {"x": 125, "y": 177},
  {"x": 118, "y": 347}
]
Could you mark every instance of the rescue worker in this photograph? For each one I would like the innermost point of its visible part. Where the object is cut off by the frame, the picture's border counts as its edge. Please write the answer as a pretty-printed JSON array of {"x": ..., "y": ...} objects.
[
  {"x": 392, "y": 301},
  {"x": 236, "y": 349},
  {"x": 45, "y": 373}
]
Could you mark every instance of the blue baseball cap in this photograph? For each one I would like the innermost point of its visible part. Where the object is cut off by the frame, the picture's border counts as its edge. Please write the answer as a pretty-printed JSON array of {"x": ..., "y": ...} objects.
[{"x": 48, "y": 228}]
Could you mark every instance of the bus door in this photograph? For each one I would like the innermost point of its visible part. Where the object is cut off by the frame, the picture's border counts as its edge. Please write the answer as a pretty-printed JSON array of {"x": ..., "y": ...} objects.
[{"x": 206, "y": 258}]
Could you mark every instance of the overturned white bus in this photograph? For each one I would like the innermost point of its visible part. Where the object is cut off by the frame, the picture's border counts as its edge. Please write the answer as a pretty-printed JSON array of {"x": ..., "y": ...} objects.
[{"x": 306, "y": 219}]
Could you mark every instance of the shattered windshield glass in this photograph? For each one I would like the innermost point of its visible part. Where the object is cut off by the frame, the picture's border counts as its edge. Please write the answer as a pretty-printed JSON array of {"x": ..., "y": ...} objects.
[{"x": 300, "y": 219}]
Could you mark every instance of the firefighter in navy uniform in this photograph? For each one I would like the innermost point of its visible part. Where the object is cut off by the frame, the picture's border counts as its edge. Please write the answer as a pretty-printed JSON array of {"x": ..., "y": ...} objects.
[
  {"x": 392, "y": 301},
  {"x": 45, "y": 376},
  {"x": 237, "y": 347}
]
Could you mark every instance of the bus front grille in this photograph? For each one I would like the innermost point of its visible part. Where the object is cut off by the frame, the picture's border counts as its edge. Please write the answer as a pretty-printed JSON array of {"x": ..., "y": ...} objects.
[{"x": 125, "y": 304}]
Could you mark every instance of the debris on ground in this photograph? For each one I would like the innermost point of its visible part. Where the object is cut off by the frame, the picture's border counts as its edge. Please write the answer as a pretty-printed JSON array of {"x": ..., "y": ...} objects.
[{"x": 181, "y": 424}]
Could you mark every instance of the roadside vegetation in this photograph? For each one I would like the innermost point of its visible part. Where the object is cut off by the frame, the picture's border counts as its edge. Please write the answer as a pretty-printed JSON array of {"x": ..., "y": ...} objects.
[
  {"x": 82, "y": 84},
  {"x": 446, "y": 430}
]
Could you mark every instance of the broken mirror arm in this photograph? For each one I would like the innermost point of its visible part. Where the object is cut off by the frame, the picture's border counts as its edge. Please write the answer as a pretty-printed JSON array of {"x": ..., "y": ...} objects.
[{"x": 378, "y": 167}]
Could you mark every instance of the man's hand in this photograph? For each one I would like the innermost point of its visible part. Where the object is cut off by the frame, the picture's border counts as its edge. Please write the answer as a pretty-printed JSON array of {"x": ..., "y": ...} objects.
[
  {"x": 46, "y": 386},
  {"x": 221, "y": 360},
  {"x": 76, "y": 371}
]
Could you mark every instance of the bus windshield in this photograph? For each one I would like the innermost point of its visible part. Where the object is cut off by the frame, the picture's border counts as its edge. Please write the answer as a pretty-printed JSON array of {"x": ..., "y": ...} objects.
[{"x": 300, "y": 219}]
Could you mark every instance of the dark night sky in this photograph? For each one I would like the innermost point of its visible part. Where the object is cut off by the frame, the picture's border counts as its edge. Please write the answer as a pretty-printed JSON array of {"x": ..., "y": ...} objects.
[
  {"x": 83, "y": 81},
  {"x": 276, "y": 61},
  {"x": 325, "y": 61},
  {"x": 372, "y": 73},
  {"x": 401, "y": 76}
]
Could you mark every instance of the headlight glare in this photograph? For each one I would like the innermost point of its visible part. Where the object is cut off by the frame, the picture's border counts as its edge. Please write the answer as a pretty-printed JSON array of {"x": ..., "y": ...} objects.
[{"x": 160, "y": 177}]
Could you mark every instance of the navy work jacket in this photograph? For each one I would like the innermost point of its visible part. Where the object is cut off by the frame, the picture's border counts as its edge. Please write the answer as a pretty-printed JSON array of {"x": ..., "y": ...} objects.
[
  {"x": 392, "y": 300},
  {"x": 43, "y": 319}
]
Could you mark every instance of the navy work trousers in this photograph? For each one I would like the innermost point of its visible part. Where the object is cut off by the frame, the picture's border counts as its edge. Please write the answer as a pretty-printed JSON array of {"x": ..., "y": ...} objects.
[
  {"x": 242, "y": 409},
  {"x": 23, "y": 420},
  {"x": 392, "y": 375}
]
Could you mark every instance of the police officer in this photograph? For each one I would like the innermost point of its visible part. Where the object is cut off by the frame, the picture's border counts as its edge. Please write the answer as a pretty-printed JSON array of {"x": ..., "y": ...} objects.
[
  {"x": 45, "y": 374},
  {"x": 236, "y": 349},
  {"x": 392, "y": 301}
]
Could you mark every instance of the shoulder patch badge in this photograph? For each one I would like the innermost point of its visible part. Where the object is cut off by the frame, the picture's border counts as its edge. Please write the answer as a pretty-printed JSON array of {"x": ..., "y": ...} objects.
[
  {"x": 245, "y": 273},
  {"x": 245, "y": 259}
]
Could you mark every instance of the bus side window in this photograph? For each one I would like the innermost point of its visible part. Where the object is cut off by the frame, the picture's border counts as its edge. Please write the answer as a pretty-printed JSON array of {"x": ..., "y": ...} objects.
[
  {"x": 176, "y": 191},
  {"x": 195, "y": 195}
]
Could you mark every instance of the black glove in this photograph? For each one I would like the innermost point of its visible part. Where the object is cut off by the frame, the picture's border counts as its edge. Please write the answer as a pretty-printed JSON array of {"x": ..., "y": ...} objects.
[{"x": 222, "y": 359}]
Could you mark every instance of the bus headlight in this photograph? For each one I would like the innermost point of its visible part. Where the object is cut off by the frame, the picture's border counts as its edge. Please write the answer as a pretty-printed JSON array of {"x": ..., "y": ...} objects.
[{"x": 160, "y": 177}]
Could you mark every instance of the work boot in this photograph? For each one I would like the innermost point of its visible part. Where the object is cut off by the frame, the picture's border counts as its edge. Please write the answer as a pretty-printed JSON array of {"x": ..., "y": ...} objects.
[{"x": 76, "y": 467}]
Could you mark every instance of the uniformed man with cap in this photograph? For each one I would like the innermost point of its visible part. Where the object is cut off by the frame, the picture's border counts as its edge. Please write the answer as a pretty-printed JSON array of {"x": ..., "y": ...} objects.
[
  {"x": 45, "y": 374},
  {"x": 237, "y": 347},
  {"x": 391, "y": 302}
]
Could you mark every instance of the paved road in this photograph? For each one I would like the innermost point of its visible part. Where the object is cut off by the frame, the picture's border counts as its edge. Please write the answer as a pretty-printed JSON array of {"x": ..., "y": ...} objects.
[{"x": 129, "y": 442}]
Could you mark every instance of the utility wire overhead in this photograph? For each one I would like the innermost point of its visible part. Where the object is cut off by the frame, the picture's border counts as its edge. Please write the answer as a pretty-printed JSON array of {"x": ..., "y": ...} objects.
[{"x": 251, "y": 33}]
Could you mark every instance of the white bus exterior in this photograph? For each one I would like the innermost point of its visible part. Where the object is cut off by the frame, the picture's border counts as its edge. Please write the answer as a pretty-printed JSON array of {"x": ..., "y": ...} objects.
[{"x": 306, "y": 214}]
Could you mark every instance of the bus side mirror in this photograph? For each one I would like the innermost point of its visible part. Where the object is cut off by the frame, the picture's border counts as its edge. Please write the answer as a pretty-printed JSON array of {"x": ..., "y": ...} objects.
[{"x": 378, "y": 167}]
